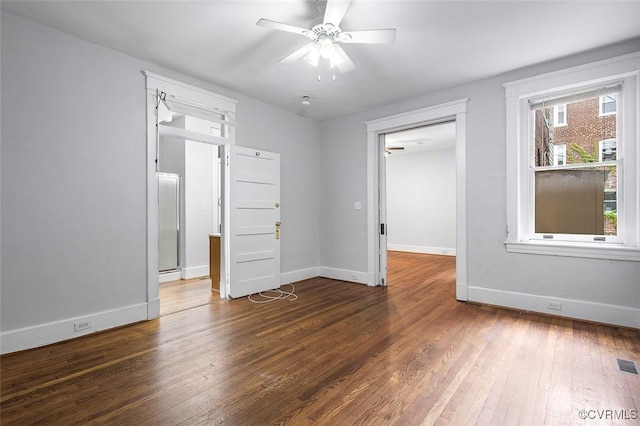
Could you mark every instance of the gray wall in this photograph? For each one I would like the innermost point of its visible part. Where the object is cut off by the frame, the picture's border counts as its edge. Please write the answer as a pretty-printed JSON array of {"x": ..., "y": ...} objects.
[
  {"x": 421, "y": 201},
  {"x": 344, "y": 175},
  {"x": 74, "y": 175},
  {"x": 297, "y": 139}
]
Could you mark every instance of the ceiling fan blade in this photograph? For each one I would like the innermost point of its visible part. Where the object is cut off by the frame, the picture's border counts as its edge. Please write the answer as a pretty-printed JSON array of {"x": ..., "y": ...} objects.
[
  {"x": 394, "y": 148},
  {"x": 297, "y": 54},
  {"x": 282, "y": 27},
  {"x": 335, "y": 11},
  {"x": 384, "y": 36},
  {"x": 344, "y": 64}
]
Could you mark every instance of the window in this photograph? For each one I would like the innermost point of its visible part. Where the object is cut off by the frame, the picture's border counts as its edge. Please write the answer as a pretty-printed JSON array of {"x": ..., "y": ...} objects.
[
  {"x": 568, "y": 196},
  {"x": 610, "y": 200},
  {"x": 559, "y": 154},
  {"x": 608, "y": 104},
  {"x": 574, "y": 198},
  {"x": 607, "y": 150},
  {"x": 560, "y": 115}
]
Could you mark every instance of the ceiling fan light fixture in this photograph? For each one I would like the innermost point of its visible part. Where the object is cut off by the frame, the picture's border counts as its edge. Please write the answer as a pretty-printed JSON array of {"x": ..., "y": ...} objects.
[
  {"x": 327, "y": 49},
  {"x": 335, "y": 60},
  {"x": 313, "y": 57},
  {"x": 305, "y": 100}
]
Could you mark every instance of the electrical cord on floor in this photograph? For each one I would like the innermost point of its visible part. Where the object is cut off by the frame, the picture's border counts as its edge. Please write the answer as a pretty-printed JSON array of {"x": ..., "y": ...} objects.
[{"x": 279, "y": 295}]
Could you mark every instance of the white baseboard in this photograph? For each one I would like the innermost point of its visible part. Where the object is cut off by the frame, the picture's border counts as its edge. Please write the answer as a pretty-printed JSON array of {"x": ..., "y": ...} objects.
[
  {"x": 462, "y": 292},
  {"x": 153, "y": 308},
  {"x": 194, "y": 272},
  {"x": 446, "y": 251},
  {"x": 299, "y": 275},
  {"x": 579, "y": 309},
  {"x": 45, "y": 334},
  {"x": 169, "y": 276},
  {"x": 344, "y": 275}
]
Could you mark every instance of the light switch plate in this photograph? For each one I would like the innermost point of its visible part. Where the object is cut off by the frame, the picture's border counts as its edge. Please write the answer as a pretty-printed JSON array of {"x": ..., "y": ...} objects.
[{"x": 357, "y": 205}]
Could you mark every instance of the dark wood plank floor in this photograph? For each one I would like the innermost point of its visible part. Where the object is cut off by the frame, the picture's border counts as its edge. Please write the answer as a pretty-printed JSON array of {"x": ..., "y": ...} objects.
[{"x": 340, "y": 354}]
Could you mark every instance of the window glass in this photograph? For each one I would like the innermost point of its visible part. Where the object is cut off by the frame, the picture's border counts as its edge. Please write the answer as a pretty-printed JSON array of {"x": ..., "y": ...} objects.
[
  {"x": 608, "y": 104},
  {"x": 574, "y": 193},
  {"x": 559, "y": 154},
  {"x": 608, "y": 149},
  {"x": 560, "y": 115}
]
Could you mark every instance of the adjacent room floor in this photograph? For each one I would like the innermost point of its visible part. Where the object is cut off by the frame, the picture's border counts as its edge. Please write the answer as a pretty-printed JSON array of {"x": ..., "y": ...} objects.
[{"x": 176, "y": 296}]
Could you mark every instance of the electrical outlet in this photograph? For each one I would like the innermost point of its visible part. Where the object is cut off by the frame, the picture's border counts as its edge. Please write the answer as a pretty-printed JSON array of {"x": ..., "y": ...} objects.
[
  {"x": 556, "y": 306},
  {"x": 357, "y": 205},
  {"x": 80, "y": 326}
]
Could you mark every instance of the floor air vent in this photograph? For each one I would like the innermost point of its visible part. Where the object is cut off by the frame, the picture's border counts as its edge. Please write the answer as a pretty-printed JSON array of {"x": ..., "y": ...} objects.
[{"x": 625, "y": 366}]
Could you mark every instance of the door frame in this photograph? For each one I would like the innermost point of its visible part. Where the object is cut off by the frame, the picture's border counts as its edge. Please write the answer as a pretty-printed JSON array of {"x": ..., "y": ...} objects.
[
  {"x": 376, "y": 255},
  {"x": 154, "y": 85}
]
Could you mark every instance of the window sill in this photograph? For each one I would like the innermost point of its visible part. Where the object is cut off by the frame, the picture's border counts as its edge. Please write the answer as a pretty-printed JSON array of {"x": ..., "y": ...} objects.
[{"x": 557, "y": 248}]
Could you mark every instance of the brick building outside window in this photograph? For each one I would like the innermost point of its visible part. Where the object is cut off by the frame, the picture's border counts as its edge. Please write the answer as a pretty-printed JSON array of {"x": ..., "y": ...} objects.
[{"x": 582, "y": 131}]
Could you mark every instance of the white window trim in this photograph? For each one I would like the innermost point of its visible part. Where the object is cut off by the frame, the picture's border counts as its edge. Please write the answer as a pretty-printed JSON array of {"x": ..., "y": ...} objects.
[
  {"x": 556, "y": 122},
  {"x": 604, "y": 114},
  {"x": 624, "y": 68}
]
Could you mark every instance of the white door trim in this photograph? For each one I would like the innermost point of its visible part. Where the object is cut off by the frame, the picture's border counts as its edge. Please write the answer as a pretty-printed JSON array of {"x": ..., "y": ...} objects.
[
  {"x": 155, "y": 84},
  {"x": 451, "y": 110}
]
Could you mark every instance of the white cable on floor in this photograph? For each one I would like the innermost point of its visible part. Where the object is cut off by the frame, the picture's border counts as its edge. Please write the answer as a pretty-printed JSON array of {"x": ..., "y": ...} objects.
[{"x": 279, "y": 294}]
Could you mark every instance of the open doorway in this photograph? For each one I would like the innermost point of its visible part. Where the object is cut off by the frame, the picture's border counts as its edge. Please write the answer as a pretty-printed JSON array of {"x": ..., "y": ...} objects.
[
  {"x": 191, "y": 127},
  {"x": 376, "y": 185},
  {"x": 249, "y": 219},
  {"x": 420, "y": 189},
  {"x": 189, "y": 218}
]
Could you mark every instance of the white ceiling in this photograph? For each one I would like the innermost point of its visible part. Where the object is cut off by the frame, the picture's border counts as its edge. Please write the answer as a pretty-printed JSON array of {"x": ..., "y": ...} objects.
[
  {"x": 421, "y": 139},
  {"x": 439, "y": 44}
]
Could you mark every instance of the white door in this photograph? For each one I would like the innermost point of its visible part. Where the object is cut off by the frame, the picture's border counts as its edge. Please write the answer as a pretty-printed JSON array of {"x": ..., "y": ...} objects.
[{"x": 254, "y": 222}]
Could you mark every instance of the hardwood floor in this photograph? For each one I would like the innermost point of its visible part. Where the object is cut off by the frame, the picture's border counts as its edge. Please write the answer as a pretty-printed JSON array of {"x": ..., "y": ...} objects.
[
  {"x": 176, "y": 296},
  {"x": 340, "y": 354}
]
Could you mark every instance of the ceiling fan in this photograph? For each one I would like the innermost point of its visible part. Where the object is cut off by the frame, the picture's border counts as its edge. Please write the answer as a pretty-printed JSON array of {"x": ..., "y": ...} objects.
[
  {"x": 325, "y": 37},
  {"x": 389, "y": 149}
]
